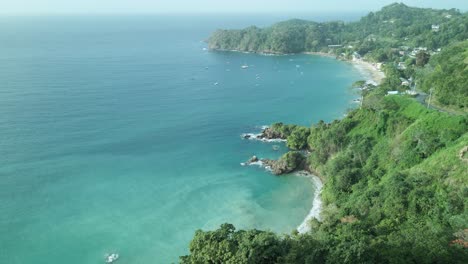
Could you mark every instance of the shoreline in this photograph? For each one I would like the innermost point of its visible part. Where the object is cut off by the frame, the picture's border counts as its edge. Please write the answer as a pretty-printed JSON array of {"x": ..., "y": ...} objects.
[
  {"x": 373, "y": 75},
  {"x": 316, "y": 208},
  {"x": 317, "y": 53},
  {"x": 370, "y": 70}
]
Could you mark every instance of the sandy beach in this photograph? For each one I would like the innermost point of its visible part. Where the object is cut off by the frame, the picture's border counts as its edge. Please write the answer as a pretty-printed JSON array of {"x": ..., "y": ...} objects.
[
  {"x": 316, "y": 203},
  {"x": 369, "y": 70},
  {"x": 324, "y": 54}
]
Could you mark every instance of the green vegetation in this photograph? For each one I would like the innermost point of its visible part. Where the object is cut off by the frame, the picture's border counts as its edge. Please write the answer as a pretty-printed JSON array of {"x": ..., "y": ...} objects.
[
  {"x": 395, "y": 173},
  {"x": 395, "y": 192},
  {"x": 414, "y": 43},
  {"x": 375, "y": 34},
  {"x": 447, "y": 75},
  {"x": 282, "y": 130}
]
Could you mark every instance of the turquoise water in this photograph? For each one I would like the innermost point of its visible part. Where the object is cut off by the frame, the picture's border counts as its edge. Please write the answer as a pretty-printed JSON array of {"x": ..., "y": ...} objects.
[{"x": 115, "y": 138}]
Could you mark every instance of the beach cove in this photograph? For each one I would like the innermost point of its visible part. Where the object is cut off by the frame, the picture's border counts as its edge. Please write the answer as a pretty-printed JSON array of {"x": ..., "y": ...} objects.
[{"x": 130, "y": 150}]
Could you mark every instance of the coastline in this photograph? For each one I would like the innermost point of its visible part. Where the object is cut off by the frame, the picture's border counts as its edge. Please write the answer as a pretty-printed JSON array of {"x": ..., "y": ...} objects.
[
  {"x": 369, "y": 70},
  {"x": 323, "y": 54},
  {"x": 316, "y": 208},
  {"x": 372, "y": 75}
]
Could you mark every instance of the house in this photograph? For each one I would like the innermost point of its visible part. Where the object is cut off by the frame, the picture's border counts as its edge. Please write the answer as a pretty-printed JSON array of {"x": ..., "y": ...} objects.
[
  {"x": 356, "y": 56},
  {"x": 416, "y": 51},
  {"x": 392, "y": 92},
  {"x": 435, "y": 28},
  {"x": 401, "y": 66},
  {"x": 371, "y": 37},
  {"x": 448, "y": 16},
  {"x": 402, "y": 52},
  {"x": 411, "y": 92},
  {"x": 404, "y": 82}
]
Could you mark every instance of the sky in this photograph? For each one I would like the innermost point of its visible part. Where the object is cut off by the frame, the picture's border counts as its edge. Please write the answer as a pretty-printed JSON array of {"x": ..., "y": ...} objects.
[{"x": 210, "y": 6}]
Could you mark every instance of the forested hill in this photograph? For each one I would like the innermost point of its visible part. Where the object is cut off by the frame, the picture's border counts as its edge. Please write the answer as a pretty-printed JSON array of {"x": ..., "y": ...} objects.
[
  {"x": 395, "y": 191},
  {"x": 394, "y": 26},
  {"x": 395, "y": 172}
]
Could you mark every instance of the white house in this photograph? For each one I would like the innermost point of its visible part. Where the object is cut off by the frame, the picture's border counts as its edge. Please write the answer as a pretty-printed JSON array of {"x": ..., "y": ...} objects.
[{"x": 435, "y": 28}]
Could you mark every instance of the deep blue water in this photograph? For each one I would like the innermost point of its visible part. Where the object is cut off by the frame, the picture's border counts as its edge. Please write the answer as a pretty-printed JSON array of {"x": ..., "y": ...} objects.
[{"x": 115, "y": 138}]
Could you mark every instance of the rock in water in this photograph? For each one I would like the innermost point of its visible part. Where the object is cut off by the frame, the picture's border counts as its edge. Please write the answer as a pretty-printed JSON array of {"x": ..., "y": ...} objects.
[
  {"x": 253, "y": 159},
  {"x": 269, "y": 133},
  {"x": 289, "y": 162}
]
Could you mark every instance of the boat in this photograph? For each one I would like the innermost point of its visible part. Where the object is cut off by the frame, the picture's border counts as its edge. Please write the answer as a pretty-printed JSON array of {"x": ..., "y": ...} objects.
[
  {"x": 112, "y": 257},
  {"x": 216, "y": 83},
  {"x": 245, "y": 66},
  {"x": 276, "y": 147}
]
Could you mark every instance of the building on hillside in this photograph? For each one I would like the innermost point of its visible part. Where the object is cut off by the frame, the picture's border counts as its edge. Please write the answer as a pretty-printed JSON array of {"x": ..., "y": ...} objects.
[
  {"x": 404, "y": 82},
  {"x": 356, "y": 56},
  {"x": 411, "y": 92},
  {"x": 401, "y": 66},
  {"x": 435, "y": 28},
  {"x": 392, "y": 92}
]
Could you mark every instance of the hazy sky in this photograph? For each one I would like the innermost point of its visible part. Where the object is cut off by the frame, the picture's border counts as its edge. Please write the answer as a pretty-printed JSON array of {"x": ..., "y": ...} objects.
[{"x": 210, "y": 6}]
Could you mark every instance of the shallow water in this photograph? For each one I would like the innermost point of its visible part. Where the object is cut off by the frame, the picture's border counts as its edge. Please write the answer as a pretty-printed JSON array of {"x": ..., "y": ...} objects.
[{"x": 115, "y": 138}]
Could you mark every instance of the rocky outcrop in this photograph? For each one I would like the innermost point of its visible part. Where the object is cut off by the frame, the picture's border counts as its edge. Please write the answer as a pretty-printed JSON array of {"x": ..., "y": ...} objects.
[
  {"x": 252, "y": 159},
  {"x": 288, "y": 163},
  {"x": 270, "y": 133}
]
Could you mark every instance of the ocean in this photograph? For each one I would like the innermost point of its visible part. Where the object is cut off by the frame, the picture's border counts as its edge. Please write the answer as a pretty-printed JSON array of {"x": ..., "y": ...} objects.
[{"x": 121, "y": 134}]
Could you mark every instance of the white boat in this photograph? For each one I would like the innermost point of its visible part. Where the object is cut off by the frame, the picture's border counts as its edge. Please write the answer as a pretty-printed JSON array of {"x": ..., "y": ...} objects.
[
  {"x": 245, "y": 66},
  {"x": 216, "y": 83},
  {"x": 112, "y": 257}
]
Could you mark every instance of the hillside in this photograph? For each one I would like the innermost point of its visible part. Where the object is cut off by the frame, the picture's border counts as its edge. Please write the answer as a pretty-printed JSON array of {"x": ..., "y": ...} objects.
[
  {"x": 395, "y": 172},
  {"x": 395, "y": 192},
  {"x": 404, "y": 38},
  {"x": 393, "y": 26},
  {"x": 447, "y": 75}
]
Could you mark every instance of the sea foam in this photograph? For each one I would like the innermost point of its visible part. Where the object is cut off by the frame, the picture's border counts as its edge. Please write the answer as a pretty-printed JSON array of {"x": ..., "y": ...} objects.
[{"x": 316, "y": 203}]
